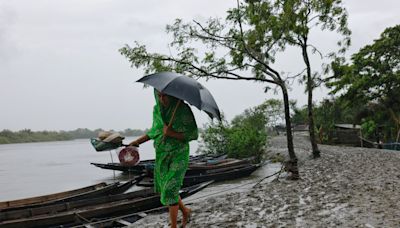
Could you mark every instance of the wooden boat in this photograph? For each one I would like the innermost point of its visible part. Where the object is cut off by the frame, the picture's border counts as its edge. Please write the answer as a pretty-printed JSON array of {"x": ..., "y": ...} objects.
[
  {"x": 111, "y": 189},
  {"x": 223, "y": 174},
  {"x": 137, "y": 169},
  {"x": 119, "y": 221},
  {"x": 129, "y": 219},
  {"x": 216, "y": 164},
  {"x": 50, "y": 197},
  {"x": 198, "y": 164},
  {"x": 74, "y": 204},
  {"x": 76, "y": 212}
]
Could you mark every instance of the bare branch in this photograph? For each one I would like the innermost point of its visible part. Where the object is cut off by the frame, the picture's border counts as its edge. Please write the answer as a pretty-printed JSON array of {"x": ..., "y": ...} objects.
[
  {"x": 315, "y": 17},
  {"x": 296, "y": 75},
  {"x": 316, "y": 50}
]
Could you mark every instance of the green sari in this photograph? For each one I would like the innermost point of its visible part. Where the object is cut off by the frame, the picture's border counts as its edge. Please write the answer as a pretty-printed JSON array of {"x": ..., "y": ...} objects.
[{"x": 172, "y": 155}]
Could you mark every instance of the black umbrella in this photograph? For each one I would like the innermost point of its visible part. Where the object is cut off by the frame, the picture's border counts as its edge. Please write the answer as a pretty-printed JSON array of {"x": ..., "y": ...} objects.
[{"x": 184, "y": 88}]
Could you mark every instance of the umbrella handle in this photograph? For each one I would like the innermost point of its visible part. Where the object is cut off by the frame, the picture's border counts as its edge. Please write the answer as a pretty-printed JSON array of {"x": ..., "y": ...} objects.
[{"x": 172, "y": 118}]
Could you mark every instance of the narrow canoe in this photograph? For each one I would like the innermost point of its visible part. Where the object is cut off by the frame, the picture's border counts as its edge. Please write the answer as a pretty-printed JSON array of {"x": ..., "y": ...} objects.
[
  {"x": 45, "y": 198},
  {"x": 110, "y": 189},
  {"x": 104, "y": 209},
  {"x": 224, "y": 174},
  {"x": 63, "y": 206},
  {"x": 197, "y": 165},
  {"x": 129, "y": 219}
]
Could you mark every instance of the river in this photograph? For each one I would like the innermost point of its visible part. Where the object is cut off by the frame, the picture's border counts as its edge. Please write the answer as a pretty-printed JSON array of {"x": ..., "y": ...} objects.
[{"x": 32, "y": 169}]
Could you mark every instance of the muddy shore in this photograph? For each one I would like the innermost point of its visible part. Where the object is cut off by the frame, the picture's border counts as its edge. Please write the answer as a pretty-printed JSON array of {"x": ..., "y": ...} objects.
[{"x": 346, "y": 187}]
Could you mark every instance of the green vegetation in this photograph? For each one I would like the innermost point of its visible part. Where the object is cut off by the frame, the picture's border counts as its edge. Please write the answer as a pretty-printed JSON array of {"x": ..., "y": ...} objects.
[
  {"x": 246, "y": 135},
  {"x": 367, "y": 92},
  {"x": 372, "y": 83},
  {"x": 26, "y": 135},
  {"x": 326, "y": 114},
  {"x": 291, "y": 24},
  {"x": 239, "y": 139}
]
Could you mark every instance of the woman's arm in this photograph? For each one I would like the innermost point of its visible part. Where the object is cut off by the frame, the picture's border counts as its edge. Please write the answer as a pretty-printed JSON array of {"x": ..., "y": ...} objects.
[
  {"x": 167, "y": 131},
  {"x": 140, "y": 140}
]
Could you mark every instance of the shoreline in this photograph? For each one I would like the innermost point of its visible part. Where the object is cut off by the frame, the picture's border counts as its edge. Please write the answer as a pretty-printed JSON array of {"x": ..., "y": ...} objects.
[{"x": 346, "y": 187}]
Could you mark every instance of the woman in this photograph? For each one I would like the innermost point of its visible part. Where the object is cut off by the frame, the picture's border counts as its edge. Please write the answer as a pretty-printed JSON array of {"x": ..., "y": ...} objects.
[{"x": 172, "y": 151}]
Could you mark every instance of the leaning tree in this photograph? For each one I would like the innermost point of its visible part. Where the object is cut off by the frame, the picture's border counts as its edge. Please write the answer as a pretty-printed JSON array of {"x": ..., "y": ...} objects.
[
  {"x": 241, "y": 47},
  {"x": 298, "y": 20}
]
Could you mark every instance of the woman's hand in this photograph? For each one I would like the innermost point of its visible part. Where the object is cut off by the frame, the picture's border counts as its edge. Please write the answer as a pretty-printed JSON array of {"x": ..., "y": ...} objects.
[{"x": 167, "y": 131}]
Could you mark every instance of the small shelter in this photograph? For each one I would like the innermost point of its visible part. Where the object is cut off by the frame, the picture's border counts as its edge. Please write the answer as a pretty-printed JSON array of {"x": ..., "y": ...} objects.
[
  {"x": 347, "y": 134},
  {"x": 300, "y": 127}
]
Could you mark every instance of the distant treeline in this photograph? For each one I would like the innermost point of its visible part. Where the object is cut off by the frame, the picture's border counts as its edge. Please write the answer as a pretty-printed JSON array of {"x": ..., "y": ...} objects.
[{"x": 27, "y": 135}]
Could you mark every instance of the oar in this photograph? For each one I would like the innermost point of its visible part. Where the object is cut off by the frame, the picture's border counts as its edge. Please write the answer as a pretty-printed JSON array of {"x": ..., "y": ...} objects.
[{"x": 172, "y": 118}]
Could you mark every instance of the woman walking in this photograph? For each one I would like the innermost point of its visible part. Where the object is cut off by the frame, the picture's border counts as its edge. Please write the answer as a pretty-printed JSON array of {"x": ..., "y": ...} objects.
[{"x": 172, "y": 129}]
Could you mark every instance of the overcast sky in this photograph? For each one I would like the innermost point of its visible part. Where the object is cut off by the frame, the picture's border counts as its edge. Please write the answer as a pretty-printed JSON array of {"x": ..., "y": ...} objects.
[{"x": 60, "y": 68}]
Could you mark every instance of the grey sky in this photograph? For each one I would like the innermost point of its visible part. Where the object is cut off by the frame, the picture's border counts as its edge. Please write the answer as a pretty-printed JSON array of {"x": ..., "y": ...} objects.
[{"x": 60, "y": 67}]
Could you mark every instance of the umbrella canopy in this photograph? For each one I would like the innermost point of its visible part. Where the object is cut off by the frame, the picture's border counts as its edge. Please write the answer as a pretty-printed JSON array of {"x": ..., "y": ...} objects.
[{"x": 184, "y": 88}]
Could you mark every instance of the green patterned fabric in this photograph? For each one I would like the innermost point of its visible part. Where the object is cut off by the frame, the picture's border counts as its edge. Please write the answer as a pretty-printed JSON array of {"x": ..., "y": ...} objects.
[{"x": 172, "y": 155}]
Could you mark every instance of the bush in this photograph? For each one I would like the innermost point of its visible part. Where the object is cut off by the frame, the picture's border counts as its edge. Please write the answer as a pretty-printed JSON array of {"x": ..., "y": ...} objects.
[
  {"x": 368, "y": 128},
  {"x": 214, "y": 138},
  {"x": 245, "y": 136}
]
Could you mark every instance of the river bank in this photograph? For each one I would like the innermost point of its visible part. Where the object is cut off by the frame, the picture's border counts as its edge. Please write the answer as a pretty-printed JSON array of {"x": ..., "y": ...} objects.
[{"x": 346, "y": 187}]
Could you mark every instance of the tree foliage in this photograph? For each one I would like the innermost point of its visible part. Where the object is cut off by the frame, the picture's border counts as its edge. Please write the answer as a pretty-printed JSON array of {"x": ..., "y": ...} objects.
[
  {"x": 295, "y": 19},
  {"x": 374, "y": 72},
  {"x": 299, "y": 116},
  {"x": 373, "y": 78},
  {"x": 245, "y": 136}
]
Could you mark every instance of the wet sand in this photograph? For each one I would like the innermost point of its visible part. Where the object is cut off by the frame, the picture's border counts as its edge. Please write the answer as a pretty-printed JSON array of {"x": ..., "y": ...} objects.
[{"x": 346, "y": 187}]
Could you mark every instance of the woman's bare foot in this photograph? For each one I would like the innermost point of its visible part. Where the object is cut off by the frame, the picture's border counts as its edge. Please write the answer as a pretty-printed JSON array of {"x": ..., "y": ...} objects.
[{"x": 186, "y": 217}]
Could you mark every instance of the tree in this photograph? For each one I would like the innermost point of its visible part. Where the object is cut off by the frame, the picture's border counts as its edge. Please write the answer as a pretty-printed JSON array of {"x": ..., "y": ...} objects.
[
  {"x": 274, "y": 111},
  {"x": 215, "y": 137},
  {"x": 241, "y": 47},
  {"x": 330, "y": 112},
  {"x": 374, "y": 75},
  {"x": 299, "y": 115},
  {"x": 248, "y": 133},
  {"x": 296, "y": 19}
]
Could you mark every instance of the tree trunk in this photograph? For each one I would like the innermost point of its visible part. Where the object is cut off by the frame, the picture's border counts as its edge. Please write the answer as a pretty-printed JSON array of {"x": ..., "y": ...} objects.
[
  {"x": 310, "y": 87},
  {"x": 291, "y": 165}
]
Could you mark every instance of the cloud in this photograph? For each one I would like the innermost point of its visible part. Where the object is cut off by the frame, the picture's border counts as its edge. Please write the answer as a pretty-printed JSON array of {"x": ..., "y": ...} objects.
[
  {"x": 7, "y": 20},
  {"x": 60, "y": 66}
]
